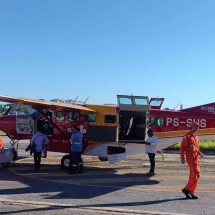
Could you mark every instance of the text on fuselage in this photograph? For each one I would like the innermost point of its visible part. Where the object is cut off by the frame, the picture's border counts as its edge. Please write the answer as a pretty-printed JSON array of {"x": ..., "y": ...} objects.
[{"x": 176, "y": 122}]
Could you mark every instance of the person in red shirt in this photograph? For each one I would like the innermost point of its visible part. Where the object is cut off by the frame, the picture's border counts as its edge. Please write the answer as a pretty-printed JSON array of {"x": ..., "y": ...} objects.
[{"x": 190, "y": 147}]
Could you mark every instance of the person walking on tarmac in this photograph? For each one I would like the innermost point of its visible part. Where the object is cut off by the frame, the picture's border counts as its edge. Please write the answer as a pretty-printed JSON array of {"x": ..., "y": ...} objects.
[
  {"x": 150, "y": 149},
  {"x": 76, "y": 162},
  {"x": 190, "y": 147},
  {"x": 38, "y": 142}
]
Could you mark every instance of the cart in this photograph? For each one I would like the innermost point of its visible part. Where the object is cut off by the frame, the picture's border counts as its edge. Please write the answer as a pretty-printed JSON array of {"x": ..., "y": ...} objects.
[{"x": 7, "y": 156}]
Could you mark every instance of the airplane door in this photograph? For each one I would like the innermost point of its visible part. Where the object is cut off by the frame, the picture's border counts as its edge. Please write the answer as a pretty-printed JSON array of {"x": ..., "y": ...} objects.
[
  {"x": 156, "y": 103},
  {"x": 133, "y": 118},
  {"x": 24, "y": 123}
]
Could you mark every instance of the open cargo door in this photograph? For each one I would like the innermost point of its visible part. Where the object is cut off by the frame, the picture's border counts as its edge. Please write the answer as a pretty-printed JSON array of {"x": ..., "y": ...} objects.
[{"x": 133, "y": 118}]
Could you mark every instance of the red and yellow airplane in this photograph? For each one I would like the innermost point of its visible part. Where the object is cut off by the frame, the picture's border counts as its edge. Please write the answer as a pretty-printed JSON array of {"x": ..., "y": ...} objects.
[{"x": 107, "y": 129}]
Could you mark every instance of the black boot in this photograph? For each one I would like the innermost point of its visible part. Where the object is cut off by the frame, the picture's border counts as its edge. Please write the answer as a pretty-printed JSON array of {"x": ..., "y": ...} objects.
[
  {"x": 193, "y": 196},
  {"x": 186, "y": 193},
  {"x": 73, "y": 169},
  {"x": 80, "y": 168}
]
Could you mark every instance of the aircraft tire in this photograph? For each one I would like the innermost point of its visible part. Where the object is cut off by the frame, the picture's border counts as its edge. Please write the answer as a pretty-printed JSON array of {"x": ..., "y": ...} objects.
[
  {"x": 65, "y": 161},
  {"x": 103, "y": 158}
]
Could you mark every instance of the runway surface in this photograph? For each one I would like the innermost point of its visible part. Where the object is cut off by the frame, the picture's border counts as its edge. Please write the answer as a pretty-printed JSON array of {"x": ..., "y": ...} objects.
[{"x": 122, "y": 188}]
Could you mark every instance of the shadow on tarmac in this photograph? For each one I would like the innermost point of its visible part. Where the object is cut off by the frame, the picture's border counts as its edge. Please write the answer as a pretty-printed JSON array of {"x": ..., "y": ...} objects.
[
  {"x": 49, "y": 208},
  {"x": 93, "y": 183},
  {"x": 134, "y": 203},
  {"x": 77, "y": 191}
]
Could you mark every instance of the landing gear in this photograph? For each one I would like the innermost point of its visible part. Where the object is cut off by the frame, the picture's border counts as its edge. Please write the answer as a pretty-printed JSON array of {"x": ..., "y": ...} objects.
[
  {"x": 65, "y": 161},
  {"x": 14, "y": 151}
]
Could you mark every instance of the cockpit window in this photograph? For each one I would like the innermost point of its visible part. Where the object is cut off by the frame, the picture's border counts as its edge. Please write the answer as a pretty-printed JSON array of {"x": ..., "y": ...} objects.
[{"x": 73, "y": 116}]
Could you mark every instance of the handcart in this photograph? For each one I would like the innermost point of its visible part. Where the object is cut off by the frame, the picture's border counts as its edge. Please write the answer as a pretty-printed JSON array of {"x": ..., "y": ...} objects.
[{"x": 8, "y": 155}]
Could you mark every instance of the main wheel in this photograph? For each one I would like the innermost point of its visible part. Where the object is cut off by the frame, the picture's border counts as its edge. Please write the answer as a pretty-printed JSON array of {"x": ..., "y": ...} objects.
[
  {"x": 65, "y": 161},
  {"x": 103, "y": 158}
]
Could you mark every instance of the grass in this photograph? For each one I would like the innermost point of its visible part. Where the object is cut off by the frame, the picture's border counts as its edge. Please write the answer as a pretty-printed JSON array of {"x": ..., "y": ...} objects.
[
  {"x": 206, "y": 145},
  {"x": 2, "y": 133}
]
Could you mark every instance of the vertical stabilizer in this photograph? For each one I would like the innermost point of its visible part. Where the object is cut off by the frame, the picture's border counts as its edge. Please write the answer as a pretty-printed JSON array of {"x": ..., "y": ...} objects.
[{"x": 206, "y": 108}]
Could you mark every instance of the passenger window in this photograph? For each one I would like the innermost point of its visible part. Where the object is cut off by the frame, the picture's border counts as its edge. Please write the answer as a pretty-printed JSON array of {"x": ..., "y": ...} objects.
[
  {"x": 155, "y": 121},
  {"x": 60, "y": 116},
  {"x": 110, "y": 118},
  {"x": 91, "y": 117},
  {"x": 50, "y": 114},
  {"x": 73, "y": 116}
]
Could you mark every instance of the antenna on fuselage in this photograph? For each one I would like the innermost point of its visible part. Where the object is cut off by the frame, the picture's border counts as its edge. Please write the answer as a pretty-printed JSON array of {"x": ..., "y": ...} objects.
[
  {"x": 85, "y": 101},
  {"x": 177, "y": 105},
  {"x": 75, "y": 100}
]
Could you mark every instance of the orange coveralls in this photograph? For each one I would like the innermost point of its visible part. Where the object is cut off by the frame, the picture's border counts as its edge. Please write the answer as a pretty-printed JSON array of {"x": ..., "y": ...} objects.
[
  {"x": 190, "y": 145},
  {"x": 1, "y": 144}
]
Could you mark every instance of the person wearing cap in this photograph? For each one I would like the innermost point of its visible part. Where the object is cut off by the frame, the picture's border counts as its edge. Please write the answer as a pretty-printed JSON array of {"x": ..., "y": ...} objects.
[
  {"x": 150, "y": 149},
  {"x": 76, "y": 162},
  {"x": 190, "y": 147}
]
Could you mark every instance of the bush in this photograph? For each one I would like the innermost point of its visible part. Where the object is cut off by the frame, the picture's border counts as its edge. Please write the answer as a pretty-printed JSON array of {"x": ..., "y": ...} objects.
[{"x": 205, "y": 145}]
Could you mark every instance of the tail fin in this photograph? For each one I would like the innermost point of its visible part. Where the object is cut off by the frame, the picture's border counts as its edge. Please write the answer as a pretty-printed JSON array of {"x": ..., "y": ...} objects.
[{"x": 206, "y": 108}]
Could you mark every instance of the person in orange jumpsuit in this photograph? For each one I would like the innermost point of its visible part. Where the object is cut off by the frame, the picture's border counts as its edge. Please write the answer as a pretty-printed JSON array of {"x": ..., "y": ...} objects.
[
  {"x": 190, "y": 147},
  {"x": 1, "y": 144}
]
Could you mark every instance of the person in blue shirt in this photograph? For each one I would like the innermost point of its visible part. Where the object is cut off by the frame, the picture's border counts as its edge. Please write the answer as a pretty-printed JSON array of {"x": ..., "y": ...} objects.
[
  {"x": 38, "y": 143},
  {"x": 76, "y": 162}
]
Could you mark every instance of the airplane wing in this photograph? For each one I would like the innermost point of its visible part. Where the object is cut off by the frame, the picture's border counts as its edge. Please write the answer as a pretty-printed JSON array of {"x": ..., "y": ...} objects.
[{"x": 35, "y": 103}]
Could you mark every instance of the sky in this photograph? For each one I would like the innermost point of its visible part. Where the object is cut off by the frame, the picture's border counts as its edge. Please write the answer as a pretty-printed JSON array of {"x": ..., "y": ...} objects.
[{"x": 104, "y": 48}]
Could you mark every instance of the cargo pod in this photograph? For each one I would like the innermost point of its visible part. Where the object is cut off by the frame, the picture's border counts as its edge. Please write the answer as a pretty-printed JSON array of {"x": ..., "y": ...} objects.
[{"x": 133, "y": 118}]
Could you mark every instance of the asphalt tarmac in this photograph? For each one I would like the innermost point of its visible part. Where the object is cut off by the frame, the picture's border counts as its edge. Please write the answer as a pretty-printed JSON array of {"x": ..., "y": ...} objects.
[{"x": 122, "y": 188}]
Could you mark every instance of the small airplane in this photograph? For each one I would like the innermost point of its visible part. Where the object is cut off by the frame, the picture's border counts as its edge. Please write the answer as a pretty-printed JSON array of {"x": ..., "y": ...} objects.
[{"x": 108, "y": 130}]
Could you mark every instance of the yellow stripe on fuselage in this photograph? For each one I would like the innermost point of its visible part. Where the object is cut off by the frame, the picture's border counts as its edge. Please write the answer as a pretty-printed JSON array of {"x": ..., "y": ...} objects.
[{"x": 183, "y": 132}]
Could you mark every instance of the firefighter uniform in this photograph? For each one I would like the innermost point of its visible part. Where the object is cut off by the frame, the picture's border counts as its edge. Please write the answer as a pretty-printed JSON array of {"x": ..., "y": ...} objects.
[
  {"x": 1, "y": 144},
  {"x": 190, "y": 147}
]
